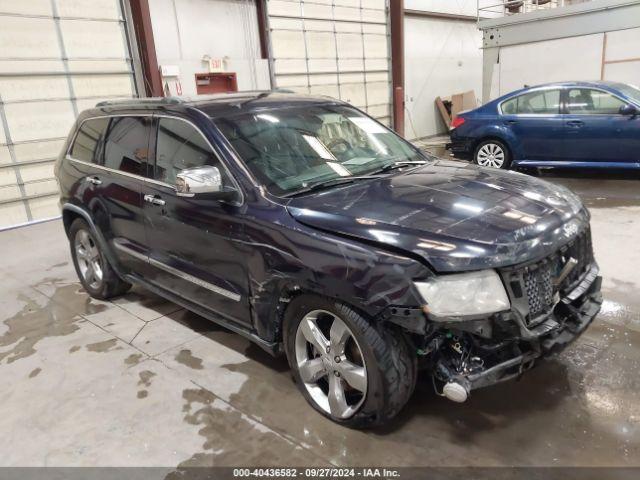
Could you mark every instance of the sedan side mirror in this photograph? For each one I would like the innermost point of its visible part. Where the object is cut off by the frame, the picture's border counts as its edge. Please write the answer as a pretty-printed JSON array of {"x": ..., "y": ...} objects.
[
  {"x": 203, "y": 181},
  {"x": 628, "y": 109}
]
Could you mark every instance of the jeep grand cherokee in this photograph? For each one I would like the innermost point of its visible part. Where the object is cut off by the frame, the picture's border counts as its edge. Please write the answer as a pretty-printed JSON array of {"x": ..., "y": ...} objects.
[{"x": 313, "y": 230}]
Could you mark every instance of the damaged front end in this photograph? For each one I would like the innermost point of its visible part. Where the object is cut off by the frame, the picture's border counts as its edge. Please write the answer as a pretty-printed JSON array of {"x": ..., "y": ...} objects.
[{"x": 552, "y": 301}]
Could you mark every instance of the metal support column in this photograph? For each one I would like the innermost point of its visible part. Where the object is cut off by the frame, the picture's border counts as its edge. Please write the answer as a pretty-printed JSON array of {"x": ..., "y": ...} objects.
[
  {"x": 144, "y": 36},
  {"x": 396, "y": 14}
]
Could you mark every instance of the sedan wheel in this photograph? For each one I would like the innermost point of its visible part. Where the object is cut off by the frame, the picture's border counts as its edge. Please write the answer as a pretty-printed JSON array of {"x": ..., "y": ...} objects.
[
  {"x": 491, "y": 155},
  {"x": 89, "y": 259},
  {"x": 331, "y": 364}
]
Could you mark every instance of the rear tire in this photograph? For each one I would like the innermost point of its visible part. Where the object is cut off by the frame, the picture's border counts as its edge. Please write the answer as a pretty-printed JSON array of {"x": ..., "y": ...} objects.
[
  {"x": 96, "y": 275},
  {"x": 492, "y": 153},
  {"x": 382, "y": 355}
]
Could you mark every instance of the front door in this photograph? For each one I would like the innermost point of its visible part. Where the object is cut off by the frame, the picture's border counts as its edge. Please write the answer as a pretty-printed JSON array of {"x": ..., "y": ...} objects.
[
  {"x": 196, "y": 247},
  {"x": 595, "y": 131}
]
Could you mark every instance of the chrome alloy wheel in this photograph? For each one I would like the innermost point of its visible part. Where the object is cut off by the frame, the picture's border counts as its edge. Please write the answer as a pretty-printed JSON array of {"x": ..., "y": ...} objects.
[
  {"x": 332, "y": 369},
  {"x": 490, "y": 155},
  {"x": 89, "y": 259}
]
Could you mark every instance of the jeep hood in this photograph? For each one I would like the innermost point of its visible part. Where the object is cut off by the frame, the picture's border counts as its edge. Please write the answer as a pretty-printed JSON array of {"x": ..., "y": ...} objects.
[{"x": 455, "y": 216}]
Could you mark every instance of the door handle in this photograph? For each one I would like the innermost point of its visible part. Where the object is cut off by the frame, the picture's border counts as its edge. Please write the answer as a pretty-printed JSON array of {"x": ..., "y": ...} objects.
[
  {"x": 154, "y": 200},
  {"x": 94, "y": 180},
  {"x": 511, "y": 122},
  {"x": 575, "y": 123}
]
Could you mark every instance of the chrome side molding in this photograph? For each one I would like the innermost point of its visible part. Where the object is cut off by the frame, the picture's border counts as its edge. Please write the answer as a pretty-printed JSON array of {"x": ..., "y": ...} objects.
[{"x": 179, "y": 273}]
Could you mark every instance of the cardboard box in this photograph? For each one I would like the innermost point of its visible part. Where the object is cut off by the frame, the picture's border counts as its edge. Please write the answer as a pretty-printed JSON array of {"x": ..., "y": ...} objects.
[{"x": 450, "y": 107}]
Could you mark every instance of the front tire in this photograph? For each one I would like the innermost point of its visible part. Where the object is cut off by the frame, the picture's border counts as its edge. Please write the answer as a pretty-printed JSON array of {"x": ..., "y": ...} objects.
[
  {"x": 492, "y": 153},
  {"x": 96, "y": 275},
  {"x": 354, "y": 373}
]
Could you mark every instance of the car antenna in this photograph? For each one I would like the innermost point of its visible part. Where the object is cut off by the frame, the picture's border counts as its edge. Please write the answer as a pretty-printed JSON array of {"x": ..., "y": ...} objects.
[{"x": 257, "y": 97}]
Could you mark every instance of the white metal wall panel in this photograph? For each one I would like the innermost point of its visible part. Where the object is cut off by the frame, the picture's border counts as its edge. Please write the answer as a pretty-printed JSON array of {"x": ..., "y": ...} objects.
[
  {"x": 622, "y": 56},
  {"x": 442, "y": 57},
  {"x": 623, "y": 45},
  {"x": 338, "y": 48},
  {"x": 627, "y": 72},
  {"x": 573, "y": 58},
  {"x": 57, "y": 57},
  {"x": 186, "y": 31},
  {"x": 457, "y": 7}
]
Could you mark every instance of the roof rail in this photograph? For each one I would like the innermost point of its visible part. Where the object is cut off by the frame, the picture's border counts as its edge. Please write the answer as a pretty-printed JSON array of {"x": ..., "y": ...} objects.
[{"x": 149, "y": 100}]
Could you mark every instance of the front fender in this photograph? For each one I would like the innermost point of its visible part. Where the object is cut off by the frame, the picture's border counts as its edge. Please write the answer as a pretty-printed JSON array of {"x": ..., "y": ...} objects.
[{"x": 285, "y": 261}]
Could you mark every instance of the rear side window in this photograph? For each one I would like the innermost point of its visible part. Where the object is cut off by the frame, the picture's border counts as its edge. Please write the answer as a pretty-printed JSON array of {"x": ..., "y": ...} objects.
[
  {"x": 533, "y": 103},
  {"x": 180, "y": 146},
  {"x": 88, "y": 145},
  {"x": 584, "y": 101},
  {"x": 127, "y": 145}
]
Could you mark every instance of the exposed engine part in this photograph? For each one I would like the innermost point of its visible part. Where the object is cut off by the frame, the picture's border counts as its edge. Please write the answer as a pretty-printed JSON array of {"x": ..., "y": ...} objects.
[
  {"x": 433, "y": 345},
  {"x": 456, "y": 392}
]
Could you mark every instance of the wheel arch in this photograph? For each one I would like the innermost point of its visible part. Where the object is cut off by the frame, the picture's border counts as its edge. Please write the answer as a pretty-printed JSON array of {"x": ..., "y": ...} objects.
[
  {"x": 493, "y": 136},
  {"x": 70, "y": 213},
  {"x": 283, "y": 295}
]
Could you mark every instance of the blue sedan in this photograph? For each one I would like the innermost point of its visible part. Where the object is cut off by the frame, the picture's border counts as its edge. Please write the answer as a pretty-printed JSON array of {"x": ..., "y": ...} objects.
[{"x": 570, "y": 124}]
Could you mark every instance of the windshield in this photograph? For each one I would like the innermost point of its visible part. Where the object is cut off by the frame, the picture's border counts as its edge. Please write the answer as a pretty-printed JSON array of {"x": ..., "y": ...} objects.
[
  {"x": 630, "y": 91},
  {"x": 291, "y": 149}
]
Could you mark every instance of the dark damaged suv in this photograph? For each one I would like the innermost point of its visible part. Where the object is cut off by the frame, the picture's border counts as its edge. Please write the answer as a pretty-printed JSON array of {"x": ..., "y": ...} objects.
[{"x": 313, "y": 230}]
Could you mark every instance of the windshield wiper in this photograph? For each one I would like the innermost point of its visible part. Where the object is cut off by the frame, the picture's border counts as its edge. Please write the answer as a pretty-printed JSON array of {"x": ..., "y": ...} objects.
[
  {"x": 330, "y": 183},
  {"x": 399, "y": 164},
  {"x": 344, "y": 180}
]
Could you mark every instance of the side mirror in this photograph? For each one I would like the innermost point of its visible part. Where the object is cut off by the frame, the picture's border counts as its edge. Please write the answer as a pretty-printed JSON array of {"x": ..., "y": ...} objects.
[
  {"x": 203, "y": 181},
  {"x": 628, "y": 109}
]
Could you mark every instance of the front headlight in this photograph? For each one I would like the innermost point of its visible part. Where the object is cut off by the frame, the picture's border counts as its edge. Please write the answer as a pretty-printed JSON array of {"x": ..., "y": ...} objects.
[{"x": 473, "y": 293}]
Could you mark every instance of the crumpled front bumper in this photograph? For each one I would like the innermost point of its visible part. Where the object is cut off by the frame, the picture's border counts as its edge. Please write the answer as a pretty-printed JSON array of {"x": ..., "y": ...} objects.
[{"x": 578, "y": 309}]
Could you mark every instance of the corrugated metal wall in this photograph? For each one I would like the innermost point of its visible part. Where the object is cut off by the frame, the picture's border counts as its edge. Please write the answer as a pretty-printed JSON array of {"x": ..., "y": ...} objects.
[
  {"x": 57, "y": 57},
  {"x": 338, "y": 48}
]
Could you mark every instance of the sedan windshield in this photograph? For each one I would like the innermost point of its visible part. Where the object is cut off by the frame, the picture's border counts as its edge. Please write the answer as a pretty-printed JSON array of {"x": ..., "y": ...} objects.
[{"x": 292, "y": 149}]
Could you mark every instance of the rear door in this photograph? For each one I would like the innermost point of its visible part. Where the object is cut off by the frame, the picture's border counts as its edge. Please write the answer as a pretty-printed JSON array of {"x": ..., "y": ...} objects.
[
  {"x": 535, "y": 120},
  {"x": 119, "y": 209},
  {"x": 196, "y": 245},
  {"x": 85, "y": 161},
  {"x": 596, "y": 131}
]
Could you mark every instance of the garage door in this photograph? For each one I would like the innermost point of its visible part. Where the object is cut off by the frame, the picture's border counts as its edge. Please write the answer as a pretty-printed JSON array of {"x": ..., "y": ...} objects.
[
  {"x": 338, "y": 48},
  {"x": 57, "y": 57},
  {"x": 442, "y": 57}
]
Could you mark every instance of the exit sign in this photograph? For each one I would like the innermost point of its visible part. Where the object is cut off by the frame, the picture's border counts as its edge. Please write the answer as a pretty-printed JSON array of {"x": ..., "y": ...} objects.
[{"x": 216, "y": 65}]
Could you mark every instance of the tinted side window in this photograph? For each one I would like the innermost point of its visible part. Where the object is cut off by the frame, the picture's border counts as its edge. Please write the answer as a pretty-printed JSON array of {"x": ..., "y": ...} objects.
[
  {"x": 584, "y": 101},
  {"x": 179, "y": 146},
  {"x": 88, "y": 145},
  {"x": 127, "y": 145},
  {"x": 510, "y": 107},
  {"x": 539, "y": 102}
]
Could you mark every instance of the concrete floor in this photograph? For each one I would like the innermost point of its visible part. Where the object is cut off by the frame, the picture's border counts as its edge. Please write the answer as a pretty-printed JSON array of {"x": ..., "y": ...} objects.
[{"x": 139, "y": 381}]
